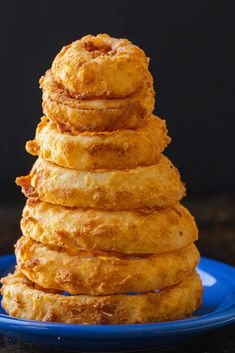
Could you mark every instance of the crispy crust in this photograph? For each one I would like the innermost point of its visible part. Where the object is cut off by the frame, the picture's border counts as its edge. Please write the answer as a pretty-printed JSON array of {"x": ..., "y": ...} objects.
[
  {"x": 122, "y": 149},
  {"x": 102, "y": 272},
  {"x": 101, "y": 66},
  {"x": 128, "y": 232},
  {"x": 96, "y": 114},
  {"x": 22, "y": 299},
  {"x": 103, "y": 220},
  {"x": 155, "y": 186}
]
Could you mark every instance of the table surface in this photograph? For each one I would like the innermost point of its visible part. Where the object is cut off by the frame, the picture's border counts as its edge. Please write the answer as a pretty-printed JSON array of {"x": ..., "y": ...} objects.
[{"x": 215, "y": 217}]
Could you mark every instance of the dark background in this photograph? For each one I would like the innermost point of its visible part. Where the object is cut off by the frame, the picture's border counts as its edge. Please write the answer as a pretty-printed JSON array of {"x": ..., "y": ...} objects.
[{"x": 191, "y": 46}]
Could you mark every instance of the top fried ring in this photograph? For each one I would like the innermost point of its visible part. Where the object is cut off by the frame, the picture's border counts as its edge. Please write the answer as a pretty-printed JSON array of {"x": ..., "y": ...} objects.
[
  {"x": 101, "y": 66},
  {"x": 95, "y": 114}
]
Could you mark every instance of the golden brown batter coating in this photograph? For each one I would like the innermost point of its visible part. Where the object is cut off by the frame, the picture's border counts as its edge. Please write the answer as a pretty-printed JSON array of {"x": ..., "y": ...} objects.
[
  {"x": 101, "y": 66},
  {"x": 103, "y": 221},
  {"x": 94, "y": 273},
  {"x": 130, "y": 232},
  {"x": 158, "y": 185},
  {"x": 23, "y": 299},
  {"x": 95, "y": 114},
  {"x": 121, "y": 149}
]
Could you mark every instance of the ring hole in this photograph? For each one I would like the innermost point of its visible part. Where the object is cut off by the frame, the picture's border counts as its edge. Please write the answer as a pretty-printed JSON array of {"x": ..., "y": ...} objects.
[{"x": 97, "y": 49}]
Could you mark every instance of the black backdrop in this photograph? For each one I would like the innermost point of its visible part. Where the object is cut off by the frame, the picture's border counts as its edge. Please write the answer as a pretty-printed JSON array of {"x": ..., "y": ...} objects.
[{"x": 191, "y": 45}]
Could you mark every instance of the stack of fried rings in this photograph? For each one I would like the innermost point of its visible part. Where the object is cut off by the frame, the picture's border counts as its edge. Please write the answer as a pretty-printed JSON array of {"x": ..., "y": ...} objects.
[{"x": 103, "y": 216}]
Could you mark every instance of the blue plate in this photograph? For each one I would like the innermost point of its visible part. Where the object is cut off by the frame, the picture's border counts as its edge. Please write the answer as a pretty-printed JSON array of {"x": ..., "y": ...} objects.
[{"x": 218, "y": 309}]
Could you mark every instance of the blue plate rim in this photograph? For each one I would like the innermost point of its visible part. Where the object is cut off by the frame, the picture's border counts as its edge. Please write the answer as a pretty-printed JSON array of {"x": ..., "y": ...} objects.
[{"x": 201, "y": 323}]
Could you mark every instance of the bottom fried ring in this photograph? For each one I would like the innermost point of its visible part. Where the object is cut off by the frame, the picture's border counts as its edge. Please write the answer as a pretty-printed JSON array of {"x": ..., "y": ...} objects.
[{"x": 22, "y": 299}]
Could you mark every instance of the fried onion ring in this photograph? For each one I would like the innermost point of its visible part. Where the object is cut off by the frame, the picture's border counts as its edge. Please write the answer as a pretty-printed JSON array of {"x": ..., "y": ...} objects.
[
  {"x": 122, "y": 149},
  {"x": 23, "y": 299},
  {"x": 157, "y": 185},
  {"x": 102, "y": 272},
  {"x": 101, "y": 66},
  {"x": 128, "y": 232},
  {"x": 96, "y": 114}
]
